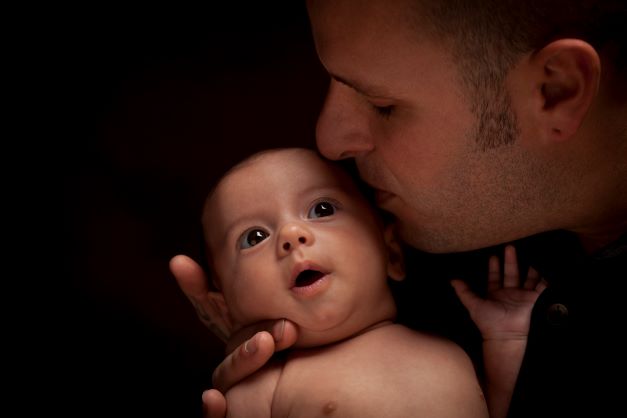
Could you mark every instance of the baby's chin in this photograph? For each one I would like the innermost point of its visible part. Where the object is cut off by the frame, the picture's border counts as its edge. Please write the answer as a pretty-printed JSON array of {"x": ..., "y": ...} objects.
[
  {"x": 308, "y": 338},
  {"x": 328, "y": 331},
  {"x": 338, "y": 326}
]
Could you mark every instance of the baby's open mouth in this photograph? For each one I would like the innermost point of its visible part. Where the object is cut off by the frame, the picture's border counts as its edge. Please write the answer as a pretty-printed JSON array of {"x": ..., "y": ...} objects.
[{"x": 307, "y": 278}]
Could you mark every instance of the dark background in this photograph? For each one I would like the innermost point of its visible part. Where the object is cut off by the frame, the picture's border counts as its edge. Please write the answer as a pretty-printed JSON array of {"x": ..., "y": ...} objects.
[
  {"x": 163, "y": 99},
  {"x": 157, "y": 102}
]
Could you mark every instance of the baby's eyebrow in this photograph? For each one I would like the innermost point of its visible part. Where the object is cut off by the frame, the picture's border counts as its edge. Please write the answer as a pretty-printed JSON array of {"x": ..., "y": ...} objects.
[
  {"x": 322, "y": 189},
  {"x": 235, "y": 225},
  {"x": 226, "y": 229}
]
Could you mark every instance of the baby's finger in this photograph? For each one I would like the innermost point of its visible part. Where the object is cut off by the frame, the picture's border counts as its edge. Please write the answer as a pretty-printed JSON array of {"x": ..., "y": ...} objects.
[
  {"x": 542, "y": 284},
  {"x": 511, "y": 277},
  {"x": 467, "y": 297},
  {"x": 533, "y": 278},
  {"x": 494, "y": 274}
]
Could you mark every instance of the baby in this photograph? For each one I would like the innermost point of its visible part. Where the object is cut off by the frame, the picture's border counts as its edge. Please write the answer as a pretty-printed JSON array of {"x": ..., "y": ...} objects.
[{"x": 290, "y": 236}]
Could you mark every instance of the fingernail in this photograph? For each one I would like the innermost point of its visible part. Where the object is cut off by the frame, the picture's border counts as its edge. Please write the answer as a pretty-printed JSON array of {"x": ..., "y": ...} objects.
[
  {"x": 277, "y": 330},
  {"x": 250, "y": 346}
]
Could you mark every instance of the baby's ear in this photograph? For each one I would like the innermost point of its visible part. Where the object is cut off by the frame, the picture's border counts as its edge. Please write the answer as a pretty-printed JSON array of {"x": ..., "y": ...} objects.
[{"x": 396, "y": 261}]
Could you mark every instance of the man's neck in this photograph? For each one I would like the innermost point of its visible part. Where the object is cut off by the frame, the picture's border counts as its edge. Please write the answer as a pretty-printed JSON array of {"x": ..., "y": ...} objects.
[{"x": 594, "y": 240}]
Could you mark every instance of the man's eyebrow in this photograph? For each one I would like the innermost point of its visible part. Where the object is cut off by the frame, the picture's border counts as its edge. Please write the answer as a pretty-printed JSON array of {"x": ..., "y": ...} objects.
[{"x": 365, "y": 89}]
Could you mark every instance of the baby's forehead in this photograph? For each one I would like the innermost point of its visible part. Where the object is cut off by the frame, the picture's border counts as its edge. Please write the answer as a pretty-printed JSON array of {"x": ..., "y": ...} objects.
[
  {"x": 278, "y": 170},
  {"x": 297, "y": 162},
  {"x": 282, "y": 157}
]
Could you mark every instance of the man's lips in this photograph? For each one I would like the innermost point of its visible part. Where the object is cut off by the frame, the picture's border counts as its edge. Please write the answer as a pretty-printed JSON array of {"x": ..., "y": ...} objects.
[{"x": 382, "y": 196}]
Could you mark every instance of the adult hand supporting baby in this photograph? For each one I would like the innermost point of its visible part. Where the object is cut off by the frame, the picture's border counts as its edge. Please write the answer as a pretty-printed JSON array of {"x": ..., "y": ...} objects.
[{"x": 248, "y": 349}]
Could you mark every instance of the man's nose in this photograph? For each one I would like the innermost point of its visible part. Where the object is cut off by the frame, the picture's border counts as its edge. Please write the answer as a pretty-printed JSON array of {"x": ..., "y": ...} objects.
[
  {"x": 343, "y": 128},
  {"x": 293, "y": 236}
]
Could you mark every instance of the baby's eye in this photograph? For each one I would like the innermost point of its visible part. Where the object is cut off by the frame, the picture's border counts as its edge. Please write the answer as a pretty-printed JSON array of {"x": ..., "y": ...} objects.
[
  {"x": 321, "y": 209},
  {"x": 252, "y": 237}
]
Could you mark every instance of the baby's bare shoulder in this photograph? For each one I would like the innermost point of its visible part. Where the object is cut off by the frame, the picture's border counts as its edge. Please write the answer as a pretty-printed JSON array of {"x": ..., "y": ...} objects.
[
  {"x": 399, "y": 344},
  {"x": 422, "y": 372}
]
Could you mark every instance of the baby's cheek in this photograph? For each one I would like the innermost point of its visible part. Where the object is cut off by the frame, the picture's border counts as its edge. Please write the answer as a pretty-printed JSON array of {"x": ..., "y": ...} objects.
[{"x": 250, "y": 307}]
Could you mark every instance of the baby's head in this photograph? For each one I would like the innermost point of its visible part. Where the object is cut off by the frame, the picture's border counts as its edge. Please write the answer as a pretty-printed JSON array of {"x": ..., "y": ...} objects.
[{"x": 290, "y": 235}]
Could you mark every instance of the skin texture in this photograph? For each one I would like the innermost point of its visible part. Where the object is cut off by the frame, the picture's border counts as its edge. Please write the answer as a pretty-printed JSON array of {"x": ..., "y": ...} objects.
[
  {"x": 397, "y": 105},
  {"x": 311, "y": 216},
  {"x": 503, "y": 317},
  {"x": 391, "y": 362},
  {"x": 286, "y": 210}
]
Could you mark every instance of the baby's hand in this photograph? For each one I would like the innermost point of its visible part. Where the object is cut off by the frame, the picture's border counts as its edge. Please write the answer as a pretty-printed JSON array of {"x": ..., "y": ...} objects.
[{"x": 505, "y": 313}]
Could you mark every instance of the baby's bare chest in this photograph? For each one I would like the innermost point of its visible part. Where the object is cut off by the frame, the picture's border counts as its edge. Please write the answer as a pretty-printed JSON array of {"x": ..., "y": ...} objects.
[
  {"x": 362, "y": 377},
  {"x": 326, "y": 384}
]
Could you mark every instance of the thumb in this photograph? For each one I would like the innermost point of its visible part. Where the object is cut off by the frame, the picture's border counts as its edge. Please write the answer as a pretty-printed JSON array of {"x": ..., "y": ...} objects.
[{"x": 466, "y": 296}]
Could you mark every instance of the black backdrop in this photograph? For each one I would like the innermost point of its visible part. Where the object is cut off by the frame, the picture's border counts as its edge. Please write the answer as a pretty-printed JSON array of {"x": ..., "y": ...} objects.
[{"x": 164, "y": 98}]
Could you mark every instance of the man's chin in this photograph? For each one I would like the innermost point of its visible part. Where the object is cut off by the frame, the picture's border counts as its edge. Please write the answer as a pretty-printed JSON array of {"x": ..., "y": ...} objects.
[
  {"x": 426, "y": 241},
  {"x": 442, "y": 242}
]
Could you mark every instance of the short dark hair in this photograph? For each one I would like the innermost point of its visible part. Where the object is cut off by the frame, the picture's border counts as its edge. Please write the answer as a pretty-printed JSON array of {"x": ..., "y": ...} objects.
[
  {"x": 493, "y": 32},
  {"x": 487, "y": 37}
]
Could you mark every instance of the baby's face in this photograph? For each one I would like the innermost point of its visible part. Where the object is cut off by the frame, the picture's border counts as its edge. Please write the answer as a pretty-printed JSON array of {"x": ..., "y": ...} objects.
[{"x": 291, "y": 237}]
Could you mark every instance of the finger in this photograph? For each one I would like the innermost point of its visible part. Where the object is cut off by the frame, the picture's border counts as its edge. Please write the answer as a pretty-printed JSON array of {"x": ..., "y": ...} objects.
[
  {"x": 213, "y": 404},
  {"x": 467, "y": 297},
  {"x": 285, "y": 334},
  {"x": 190, "y": 276},
  {"x": 541, "y": 286},
  {"x": 511, "y": 276},
  {"x": 244, "y": 361},
  {"x": 193, "y": 282},
  {"x": 533, "y": 278},
  {"x": 494, "y": 274}
]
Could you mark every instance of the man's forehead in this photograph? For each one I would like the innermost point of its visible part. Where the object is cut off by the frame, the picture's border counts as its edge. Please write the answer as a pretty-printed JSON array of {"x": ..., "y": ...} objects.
[{"x": 368, "y": 47}]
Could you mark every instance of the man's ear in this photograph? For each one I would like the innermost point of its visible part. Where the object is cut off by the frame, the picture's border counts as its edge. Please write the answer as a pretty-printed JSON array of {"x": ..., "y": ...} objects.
[
  {"x": 396, "y": 261},
  {"x": 567, "y": 75}
]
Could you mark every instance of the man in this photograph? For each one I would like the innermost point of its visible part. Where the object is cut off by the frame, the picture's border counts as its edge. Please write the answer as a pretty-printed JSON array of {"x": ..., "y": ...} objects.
[{"x": 478, "y": 123}]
